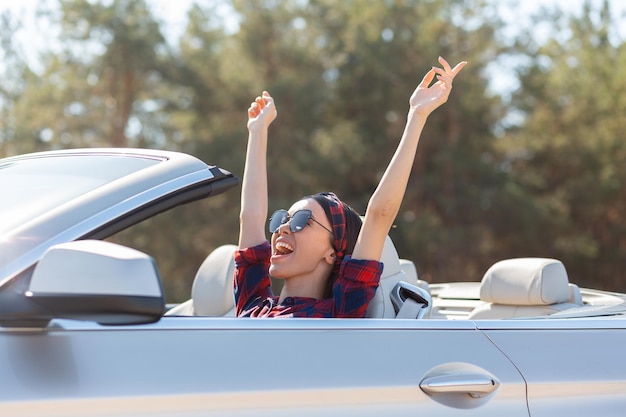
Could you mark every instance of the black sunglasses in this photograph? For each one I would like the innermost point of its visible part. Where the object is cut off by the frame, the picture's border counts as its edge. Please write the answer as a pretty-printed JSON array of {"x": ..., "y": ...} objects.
[{"x": 299, "y": 219}]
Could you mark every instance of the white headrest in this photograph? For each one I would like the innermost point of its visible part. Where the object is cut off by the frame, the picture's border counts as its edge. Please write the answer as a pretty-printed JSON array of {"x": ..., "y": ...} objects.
[
  {"x": 525, "y": 281},
  {"x": 212, "y": 290}
]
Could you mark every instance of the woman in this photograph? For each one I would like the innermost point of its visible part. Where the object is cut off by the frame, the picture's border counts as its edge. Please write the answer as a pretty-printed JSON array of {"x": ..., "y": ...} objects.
[{"x": 329, "y": 261}]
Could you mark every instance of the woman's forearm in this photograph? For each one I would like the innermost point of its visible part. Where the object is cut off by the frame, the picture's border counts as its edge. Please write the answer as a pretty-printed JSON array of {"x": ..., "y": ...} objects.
[
  {"x": 253, "y": 213},
  {"x": 385, "y": 202},
  {"x": 387, "y": 198},
  {"x": 254, "y": 191}
]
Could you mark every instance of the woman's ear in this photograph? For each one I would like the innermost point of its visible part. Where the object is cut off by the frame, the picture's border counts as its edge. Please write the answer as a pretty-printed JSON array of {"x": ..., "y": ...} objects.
[{"x": 330, "y": 257}]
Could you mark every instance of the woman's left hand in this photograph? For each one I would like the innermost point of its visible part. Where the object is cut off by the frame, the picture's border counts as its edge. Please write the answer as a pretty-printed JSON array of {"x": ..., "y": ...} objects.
[
  {"x": 262, "y": 111},
  {"x": 426, "y": 98}
]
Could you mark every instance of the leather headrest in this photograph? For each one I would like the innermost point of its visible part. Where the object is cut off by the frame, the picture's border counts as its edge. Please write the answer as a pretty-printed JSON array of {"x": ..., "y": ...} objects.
[
  {"x": 525, "y": 281},
  {"x": 212, "y": 290}
]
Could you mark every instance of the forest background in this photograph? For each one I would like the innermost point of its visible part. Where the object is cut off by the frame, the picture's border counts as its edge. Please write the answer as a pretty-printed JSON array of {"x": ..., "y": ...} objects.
[{"x": 539, "y": 171}]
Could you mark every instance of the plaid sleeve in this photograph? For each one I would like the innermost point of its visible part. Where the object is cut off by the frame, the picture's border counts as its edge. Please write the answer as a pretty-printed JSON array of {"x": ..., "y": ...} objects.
[
  {"x": 252, "y": 279},
  {"x": 356, "y": 286}
]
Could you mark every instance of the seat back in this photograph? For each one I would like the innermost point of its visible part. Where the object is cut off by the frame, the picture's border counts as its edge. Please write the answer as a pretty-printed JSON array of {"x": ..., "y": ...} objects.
[
  {"x": 381, "y": 306},
  {"x": 212, "y": 289},
  {"x": 574, "y": 294},
  {"x": 523, "y": 287},
  {"x": 411, "y": 274}
]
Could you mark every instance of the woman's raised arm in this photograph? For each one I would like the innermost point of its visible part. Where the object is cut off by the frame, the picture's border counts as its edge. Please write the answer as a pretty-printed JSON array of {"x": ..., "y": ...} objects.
[
  {"x": 253, "y": 215},
  {"x": 384, "y": 204}
]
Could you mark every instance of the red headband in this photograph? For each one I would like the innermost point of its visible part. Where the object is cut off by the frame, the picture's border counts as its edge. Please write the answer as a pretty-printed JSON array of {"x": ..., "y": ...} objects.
[{"x": 338, "y": 223}]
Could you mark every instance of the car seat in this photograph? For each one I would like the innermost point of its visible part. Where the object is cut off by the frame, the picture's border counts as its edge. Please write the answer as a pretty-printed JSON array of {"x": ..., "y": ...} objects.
[
  {"x": 212, "y": 290},
  {"x": 381, "y": 305},
  {"x": 411, "y": 273},
  {"x": 525, "y": 287}
]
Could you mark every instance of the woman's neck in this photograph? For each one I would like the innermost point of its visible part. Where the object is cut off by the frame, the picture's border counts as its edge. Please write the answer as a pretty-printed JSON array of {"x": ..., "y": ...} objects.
[{"x": 304, "y": 286}]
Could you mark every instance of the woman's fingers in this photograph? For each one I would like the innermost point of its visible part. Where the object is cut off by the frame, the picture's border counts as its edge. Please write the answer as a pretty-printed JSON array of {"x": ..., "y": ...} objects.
[
  {"x": 254, "y": 110},
  {"x": 256, "y": 106},
  {"x": 458, "y": 67},
  {"x": 260, "y": 103},
  {"x": 427, "y": 97},
  {"x": 445, "y": 64},
  {"x": 450, "y": 71},
  {"x": 263, "y": 100},
  {"x": 427, "y": 78},
  {"x": 267, "y": 99},
  {"x": 446, "y": 74}
]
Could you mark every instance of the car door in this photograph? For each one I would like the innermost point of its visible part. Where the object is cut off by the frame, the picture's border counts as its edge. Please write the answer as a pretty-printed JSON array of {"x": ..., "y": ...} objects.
[
  {"x": 194, "y": 366},
  {"x": 573, "y": 367}
]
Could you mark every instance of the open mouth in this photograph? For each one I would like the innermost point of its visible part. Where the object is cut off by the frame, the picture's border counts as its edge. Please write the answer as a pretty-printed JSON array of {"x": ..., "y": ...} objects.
[{"x": 283, "y": 248}]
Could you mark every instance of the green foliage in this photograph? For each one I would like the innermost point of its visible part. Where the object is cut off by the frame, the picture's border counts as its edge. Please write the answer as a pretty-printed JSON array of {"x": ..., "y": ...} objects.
[
  {"x": 569, "y": 155},
  {"x": 341, "y": 74},
  {"x": 14, "y": 75}
]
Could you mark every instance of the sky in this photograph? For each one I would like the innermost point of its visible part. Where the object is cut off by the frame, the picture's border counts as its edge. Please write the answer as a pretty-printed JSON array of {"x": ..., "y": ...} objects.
[{"x": 173, "y": 14}]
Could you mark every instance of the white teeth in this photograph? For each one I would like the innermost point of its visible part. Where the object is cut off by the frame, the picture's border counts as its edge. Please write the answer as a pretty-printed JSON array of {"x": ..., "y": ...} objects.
[{"x": 283, "y": 247}]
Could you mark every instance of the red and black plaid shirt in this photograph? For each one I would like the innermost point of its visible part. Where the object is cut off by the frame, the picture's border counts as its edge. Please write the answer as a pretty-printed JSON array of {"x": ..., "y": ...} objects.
[{"x": 354, "y": 289}]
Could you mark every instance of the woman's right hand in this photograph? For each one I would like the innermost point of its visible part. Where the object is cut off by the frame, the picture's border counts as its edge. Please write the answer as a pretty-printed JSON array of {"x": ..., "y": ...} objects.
[
  {"x": 262, "y": 112},
  {"x": 426, "y": 97}
]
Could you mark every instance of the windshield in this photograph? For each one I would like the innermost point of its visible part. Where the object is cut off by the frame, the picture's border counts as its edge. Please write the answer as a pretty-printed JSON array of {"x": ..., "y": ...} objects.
[
  {"x": 31, "y": 187},
  {"x": 34, "y": 188}
]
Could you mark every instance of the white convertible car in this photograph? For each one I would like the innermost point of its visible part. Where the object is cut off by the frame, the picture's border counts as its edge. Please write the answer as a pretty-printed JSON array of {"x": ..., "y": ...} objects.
[{"x": 85, "y": 331}]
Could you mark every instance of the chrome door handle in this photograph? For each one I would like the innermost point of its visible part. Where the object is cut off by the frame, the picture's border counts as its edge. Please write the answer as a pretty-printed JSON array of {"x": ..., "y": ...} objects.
[{"x": 475, "y": 385}]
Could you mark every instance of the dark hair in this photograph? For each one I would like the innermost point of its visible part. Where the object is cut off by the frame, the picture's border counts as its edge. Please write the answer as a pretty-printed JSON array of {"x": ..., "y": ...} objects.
[{"x": 353, "y": 227}]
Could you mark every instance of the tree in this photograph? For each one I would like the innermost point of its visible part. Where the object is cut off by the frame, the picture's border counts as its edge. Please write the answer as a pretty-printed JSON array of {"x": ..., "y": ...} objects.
[
  {"x": 14, "y": 73},
  {"x": 569, "y": 152},
  {"x": 100, "y": 87},
  {"x": 375, "y": 54},
  {"x": 341, "y": 74}
]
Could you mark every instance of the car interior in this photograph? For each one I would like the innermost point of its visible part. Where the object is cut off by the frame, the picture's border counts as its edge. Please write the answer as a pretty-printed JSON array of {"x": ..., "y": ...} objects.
[{"x": 511, "y": 288}]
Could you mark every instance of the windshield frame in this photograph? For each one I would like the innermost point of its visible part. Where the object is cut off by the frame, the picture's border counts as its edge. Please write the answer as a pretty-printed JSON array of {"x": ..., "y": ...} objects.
[{"x": 80, "y": 216}]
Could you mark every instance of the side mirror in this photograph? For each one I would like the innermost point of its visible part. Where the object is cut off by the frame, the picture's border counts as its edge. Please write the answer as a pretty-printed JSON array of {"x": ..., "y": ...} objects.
[{"x": 97, "y": 281}]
